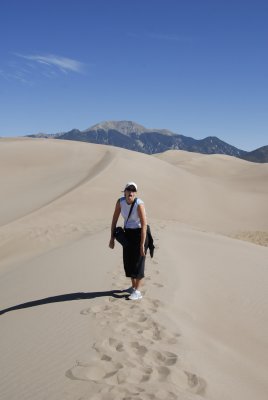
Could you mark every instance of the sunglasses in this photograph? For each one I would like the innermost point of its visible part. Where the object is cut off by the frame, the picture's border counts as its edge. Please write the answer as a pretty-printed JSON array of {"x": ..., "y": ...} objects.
[{"x": 131, "y": 189}]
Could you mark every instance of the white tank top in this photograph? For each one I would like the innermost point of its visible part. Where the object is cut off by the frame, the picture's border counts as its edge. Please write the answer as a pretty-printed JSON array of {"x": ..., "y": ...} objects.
[{"x": 134, "y": 219}]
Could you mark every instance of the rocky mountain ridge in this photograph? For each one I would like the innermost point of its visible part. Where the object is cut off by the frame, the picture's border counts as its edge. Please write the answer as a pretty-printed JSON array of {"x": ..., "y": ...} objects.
[{"x": 132, "y": 136}]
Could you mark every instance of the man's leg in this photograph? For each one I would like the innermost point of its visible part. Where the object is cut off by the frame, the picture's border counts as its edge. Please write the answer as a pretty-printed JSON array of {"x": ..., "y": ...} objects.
[{"x": 137, "y": 284}]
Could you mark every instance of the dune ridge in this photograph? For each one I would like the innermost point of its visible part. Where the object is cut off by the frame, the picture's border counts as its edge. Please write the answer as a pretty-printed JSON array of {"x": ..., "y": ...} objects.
[{"x": 68, "y": 330}]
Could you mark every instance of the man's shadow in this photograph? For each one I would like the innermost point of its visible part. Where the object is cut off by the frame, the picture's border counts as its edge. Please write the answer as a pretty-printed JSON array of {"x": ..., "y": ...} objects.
[{"x": 118, "y": 294}]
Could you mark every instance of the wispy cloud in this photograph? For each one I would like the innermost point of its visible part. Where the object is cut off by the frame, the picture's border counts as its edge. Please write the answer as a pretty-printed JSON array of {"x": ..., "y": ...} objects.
[
  {"x": 64, "y": 64},
  {"x": 14, "y": 75},
  {"x": 29, "y": 68}
]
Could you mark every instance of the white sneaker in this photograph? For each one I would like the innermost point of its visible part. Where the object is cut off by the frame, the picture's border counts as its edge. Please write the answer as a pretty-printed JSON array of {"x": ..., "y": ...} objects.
[{"x": 136, "y": 295}]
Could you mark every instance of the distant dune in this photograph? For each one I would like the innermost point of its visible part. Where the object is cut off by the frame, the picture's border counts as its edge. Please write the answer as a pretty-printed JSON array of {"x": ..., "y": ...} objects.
[
  {"x": 242, "y": 187},
  {"x": 68, "y": 332}
]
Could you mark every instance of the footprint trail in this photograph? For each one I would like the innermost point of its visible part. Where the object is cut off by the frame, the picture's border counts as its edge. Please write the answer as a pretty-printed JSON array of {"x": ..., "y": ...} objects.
[{"x": 138, "y": 357}]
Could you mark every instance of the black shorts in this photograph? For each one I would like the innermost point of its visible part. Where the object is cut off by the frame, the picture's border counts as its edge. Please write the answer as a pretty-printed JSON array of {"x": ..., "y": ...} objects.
[{"x": 134, "y": 263}]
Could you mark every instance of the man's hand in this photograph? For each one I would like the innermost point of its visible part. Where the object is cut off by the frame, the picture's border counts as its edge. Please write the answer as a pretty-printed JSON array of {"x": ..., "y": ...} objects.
[{"x": 111, "y": 243}]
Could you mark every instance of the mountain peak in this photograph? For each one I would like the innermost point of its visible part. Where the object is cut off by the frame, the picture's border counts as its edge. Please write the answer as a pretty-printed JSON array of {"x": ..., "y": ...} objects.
[{"x": 124, "y": 127}]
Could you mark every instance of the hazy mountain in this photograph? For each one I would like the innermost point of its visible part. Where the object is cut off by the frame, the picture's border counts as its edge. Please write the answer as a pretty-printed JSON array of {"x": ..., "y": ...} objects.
[
  {"x": 259, "y": 155},
  {"x": 41, "y": 135},
  {"x": 132, "y": 136},
  {"x": 46, "y": 135}
]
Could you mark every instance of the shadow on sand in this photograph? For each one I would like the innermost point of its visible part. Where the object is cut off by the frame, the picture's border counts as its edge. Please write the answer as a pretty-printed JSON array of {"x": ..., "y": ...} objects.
[{"x": 118, "y": 294}]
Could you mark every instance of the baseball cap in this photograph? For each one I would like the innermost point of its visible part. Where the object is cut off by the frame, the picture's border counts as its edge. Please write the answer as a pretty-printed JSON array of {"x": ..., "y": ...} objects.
[{"x": 129, "y": 184}]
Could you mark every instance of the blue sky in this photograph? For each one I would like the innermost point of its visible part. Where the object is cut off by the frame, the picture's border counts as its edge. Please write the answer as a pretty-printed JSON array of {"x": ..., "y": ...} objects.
[{"x": 195, "y": 67}]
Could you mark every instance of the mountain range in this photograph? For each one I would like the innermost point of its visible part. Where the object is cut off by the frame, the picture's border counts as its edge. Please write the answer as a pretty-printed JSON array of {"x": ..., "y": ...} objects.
[{"x": 132, "y": 136}]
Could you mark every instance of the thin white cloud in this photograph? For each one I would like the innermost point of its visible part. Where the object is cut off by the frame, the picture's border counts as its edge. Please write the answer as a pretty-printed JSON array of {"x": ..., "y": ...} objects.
[
  {"x": 9, "y": 76},
  {"x": 64, "y": 64},
  {"x": 30, "y": 68}
]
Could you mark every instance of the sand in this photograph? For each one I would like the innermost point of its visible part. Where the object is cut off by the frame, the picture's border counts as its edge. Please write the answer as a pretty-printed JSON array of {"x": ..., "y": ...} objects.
[{"x": 67, "y": 328}]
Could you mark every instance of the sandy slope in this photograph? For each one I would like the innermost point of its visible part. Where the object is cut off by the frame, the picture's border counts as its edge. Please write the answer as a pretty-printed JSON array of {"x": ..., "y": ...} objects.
[
  {"x": 67, "y": 330},
  {"x": 242, "y": 194}
]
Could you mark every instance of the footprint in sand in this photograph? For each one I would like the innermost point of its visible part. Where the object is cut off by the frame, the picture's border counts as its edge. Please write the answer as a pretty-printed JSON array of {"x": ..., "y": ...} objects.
[
  {"x": 140, "y": 350},
  {"x": 112, "y": 373},
  {"x": 122, "y": 393},
  {"x": 85, "y": 311},
  {"x": 159, "y": 285},
  {"x": 164, "y": 395},
  {"x": 96, "y": 310},
  {"x": 188, "y": 381},
  {"x": 109, "y": 345},
  {"x": 164, "y": 358},
  {"x": 163, "y": 373},
  {"x": 96, "y": 371},
  {"x": 115, "y": 344},
  {"x": 196, "y": 384}
]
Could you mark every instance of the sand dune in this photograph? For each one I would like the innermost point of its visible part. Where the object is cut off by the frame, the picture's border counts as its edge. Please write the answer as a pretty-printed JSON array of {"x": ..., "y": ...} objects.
[
  {"x": 67, "y": 330},
  {"x": 35, "y": 173},
  {"x": 243, "y": 191}
]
